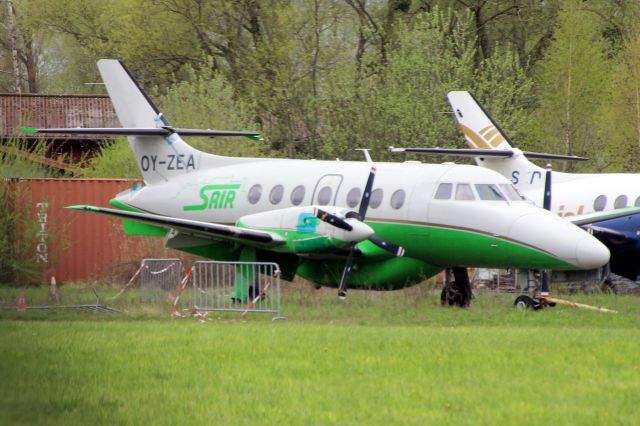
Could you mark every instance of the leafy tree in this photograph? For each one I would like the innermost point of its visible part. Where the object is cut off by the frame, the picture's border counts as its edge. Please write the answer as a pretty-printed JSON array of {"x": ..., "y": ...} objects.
[
  {"x": 573, "y": 86},
  {"x": 205, "y": 100},
  {"x": 623, "y": 116},
  {"x": 406, "y": 104},
  {"x": 115, "y": 160}
]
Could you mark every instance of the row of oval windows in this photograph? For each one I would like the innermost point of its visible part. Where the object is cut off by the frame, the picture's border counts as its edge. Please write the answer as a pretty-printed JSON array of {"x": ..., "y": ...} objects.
[
  {"x": 620, "y": 202},
  {"x": 324, "y": 196}
]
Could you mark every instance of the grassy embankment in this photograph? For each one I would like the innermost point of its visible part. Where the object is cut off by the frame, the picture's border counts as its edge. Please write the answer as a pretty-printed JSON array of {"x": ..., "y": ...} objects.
[{"x": 378, "y": 358}]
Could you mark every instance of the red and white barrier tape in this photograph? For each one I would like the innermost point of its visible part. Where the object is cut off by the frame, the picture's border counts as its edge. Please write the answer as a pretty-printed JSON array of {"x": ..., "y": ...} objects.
[
  {"x": 180, "y": 289},
  {"x": 255, "y": 300},
  {"x": 129, "y": 283},
  {"x": 161, "y": 271}
]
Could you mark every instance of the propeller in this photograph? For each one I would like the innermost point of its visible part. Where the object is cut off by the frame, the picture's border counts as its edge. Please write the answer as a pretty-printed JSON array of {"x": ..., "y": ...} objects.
[
  {"x": 333, "y": 220},
  {"x": 546, "y": 204},
  {"x": 341, "y": 223}
]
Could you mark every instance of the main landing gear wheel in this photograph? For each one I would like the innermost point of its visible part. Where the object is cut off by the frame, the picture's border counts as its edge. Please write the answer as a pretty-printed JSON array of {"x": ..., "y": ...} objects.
[{"x": 457, "y": 292}]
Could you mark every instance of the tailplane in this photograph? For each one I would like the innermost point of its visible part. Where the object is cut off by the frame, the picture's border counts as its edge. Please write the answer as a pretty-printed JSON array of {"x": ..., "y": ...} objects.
[
  {"x": 160, "y": 151},
  {"x": 159, "y": 157}
]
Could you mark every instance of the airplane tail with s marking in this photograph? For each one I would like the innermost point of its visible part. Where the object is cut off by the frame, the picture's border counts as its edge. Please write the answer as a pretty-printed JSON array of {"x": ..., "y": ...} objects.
[
  {"x": 481, "y": 132},
  {"x": 160, "y": 151}
]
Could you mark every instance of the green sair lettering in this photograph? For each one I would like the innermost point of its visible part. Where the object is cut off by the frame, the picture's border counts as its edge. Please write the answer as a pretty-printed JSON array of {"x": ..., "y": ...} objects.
[{"x": 215, "y": 199}]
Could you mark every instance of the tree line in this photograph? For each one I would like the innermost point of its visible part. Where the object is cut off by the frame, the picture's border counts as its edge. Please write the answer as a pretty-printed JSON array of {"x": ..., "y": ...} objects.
[{"x": 320, "y": 78}]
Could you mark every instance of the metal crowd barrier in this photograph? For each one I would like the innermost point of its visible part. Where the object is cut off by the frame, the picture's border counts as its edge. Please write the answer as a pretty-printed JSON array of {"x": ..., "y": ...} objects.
[{"x": 236, "y": 287}]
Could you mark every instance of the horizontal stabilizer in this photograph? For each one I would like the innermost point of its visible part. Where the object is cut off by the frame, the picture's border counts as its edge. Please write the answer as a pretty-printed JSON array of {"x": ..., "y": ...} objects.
[
  {"x": 506, "y": 153},
  {"x": 192, "y": 227},
  {"x": 141, "y": 131}
]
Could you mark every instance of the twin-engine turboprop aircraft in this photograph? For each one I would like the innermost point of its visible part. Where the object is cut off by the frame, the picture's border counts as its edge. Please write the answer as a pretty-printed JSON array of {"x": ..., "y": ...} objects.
[{"x": 382, "y": 226}]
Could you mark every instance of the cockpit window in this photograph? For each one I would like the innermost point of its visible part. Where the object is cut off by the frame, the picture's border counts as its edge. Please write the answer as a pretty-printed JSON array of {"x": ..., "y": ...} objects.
[
  {"x": 464, "y": 192},
  {"x": 489, "y": 192},
  {"x": 444, "y": 191},
  {"x": 511, "y": 192}
]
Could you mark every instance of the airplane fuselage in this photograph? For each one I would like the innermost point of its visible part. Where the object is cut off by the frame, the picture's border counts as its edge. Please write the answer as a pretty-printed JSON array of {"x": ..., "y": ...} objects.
[{"x": 435, "y": 231}]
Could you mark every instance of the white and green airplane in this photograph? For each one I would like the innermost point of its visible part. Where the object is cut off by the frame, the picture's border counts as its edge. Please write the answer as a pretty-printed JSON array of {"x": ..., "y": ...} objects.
[{"x": 336, "y": 223}]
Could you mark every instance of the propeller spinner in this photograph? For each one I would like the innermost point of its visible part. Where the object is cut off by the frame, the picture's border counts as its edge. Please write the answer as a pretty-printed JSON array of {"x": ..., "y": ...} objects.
[{"x": 354, "y": 223}]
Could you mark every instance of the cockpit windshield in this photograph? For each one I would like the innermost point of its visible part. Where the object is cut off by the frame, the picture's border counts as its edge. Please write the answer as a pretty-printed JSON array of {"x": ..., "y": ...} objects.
[
  {"x": 511, "y": 192},
  {"x": 489, "y": 192},
  {"x": 479, "y": 191},
  {"x": 464, "y": 192}
]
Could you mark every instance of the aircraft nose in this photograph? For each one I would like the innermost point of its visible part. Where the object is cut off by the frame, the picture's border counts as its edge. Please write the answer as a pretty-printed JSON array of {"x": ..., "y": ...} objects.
[{"x": 591, "y": 253}]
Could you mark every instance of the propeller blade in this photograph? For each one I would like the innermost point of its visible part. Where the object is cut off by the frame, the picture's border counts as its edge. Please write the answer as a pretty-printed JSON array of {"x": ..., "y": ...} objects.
[
  {"x": 332, "y": 219},
  {"x": 394, "y": 249},
  {"x": 546, "y": 203},
  {"x": 346, "y": 273},
  {"x": 366, "y": 196}
]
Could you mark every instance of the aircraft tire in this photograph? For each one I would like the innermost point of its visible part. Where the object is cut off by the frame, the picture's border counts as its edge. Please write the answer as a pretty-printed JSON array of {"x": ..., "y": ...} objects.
[{"x": 524, "y": 302}]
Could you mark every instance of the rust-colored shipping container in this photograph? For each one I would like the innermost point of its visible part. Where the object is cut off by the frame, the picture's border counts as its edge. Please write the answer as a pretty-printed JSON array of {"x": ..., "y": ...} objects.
[
  {"x": 47, "y": 111},
  {"x": 81, "y": 246}
]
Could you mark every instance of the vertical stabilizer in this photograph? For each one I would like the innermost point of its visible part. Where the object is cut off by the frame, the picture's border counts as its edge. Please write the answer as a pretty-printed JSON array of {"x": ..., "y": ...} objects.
[
  {"x": 160, "y": 158},
  {"x": 480, "y": 131}
]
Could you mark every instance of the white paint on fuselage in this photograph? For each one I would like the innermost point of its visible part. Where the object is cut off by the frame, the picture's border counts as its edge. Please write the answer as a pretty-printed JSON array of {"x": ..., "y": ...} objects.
[{"x": 419, "y": 181}]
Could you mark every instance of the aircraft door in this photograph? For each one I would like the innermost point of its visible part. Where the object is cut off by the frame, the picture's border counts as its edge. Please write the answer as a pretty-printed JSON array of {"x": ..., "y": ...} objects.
[{"x": 326, "y": 190}]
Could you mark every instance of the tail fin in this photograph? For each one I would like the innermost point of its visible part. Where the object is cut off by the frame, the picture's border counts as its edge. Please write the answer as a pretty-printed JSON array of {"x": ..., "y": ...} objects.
[
  {"x": 480, "y": 131},
  {"x": 159, "y": 158},
  {"x": 133, "y": 106}
]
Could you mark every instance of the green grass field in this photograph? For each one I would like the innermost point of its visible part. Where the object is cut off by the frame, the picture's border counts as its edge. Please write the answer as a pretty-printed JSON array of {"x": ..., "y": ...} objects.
[{"x": 379, "y": 358}]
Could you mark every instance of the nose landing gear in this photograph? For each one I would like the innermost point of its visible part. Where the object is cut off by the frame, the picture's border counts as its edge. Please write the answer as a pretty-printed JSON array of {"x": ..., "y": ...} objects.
[{"x": 534, "y": 303}]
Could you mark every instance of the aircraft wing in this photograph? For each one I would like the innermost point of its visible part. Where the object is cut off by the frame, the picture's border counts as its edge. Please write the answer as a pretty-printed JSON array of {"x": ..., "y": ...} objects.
[
  {"x": 597, "y": 217},
  {"x": 194, "y": 227},
  {"x": 619, "y": 230}
]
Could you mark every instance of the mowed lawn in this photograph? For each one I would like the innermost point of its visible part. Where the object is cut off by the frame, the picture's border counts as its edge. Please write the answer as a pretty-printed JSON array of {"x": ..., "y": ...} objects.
[{"x": 382, "y": 359}]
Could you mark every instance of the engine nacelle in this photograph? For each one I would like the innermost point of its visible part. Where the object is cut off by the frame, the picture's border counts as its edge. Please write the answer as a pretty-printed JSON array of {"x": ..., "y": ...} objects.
[{"x": 304, "y": 231}]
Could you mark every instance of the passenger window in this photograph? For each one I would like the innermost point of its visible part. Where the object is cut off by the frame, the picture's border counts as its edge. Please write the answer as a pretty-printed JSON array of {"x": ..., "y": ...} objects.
[
  {"x": 464, "y": 192},
  {"x": 397, "y": 199},
  {"x": 637, "y": 203},
  {"x": 620, "y": 202},
  {"x": 255, "y": 193},
  {"x": 444, "y": 191},
  {"x": 297, "y": 195},
  {"x": 324, "y": 196},
  {"x": 353, "y": 197},
  {"x": 489, "y": 192},
  {"x": 275, "y": 196},
  {"x": 376, "y": 198},
  {"x": 600, "y": 203},
  {"x": 511, "y": 191}
]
